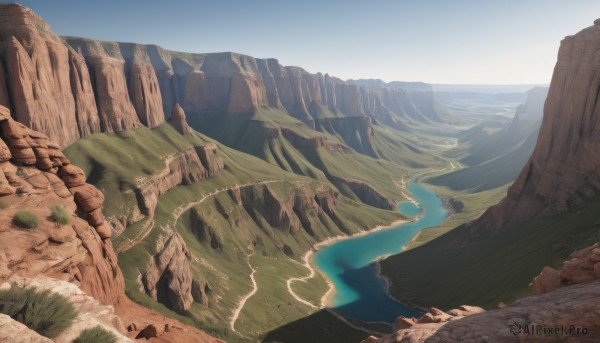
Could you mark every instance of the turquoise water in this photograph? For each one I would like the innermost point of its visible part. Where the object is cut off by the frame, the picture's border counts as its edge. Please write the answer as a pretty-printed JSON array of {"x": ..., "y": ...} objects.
[
  {"x": 359, "y": 292},
  {"x": 408, "y": 208}
]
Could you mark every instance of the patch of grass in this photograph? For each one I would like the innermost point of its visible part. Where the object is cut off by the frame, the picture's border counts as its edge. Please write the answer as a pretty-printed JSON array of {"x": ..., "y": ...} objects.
[
  {"x": 26, "y": 219},
  {"x": 96, "y": 334},
  {"x": 3, "y": 204},
  {"x": 45, "y": 312},
  {"x": 60, "y": 215}
]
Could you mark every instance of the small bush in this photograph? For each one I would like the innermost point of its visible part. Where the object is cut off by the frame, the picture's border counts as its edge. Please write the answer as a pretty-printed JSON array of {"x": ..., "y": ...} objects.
[
  {"x": 26, "y": 219},
  {"x": 60, "y": 215},
  {"x": 21, "y": 172},
  {"x": 20, "y": 190},
  {"x": 3, "y": 204},
  {"x": 45, "y": 312},
  {"x": 94, "y": 335}
]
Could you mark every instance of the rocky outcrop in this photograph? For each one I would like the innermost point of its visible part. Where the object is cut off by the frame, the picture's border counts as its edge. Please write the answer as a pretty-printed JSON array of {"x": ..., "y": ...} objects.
[
  {"x": 34, "y": 176},
  {"x": 562, "y": 170},
  {"x": 168, "y": 278},
  {"x": 13, "y": 331},
  {"x": 178, "y": 120},
  {"x": 364, "y": 192},
  {"x": 583, "y": 267},
  {"x": 90, "y": 313},
  {"x": 296, "y": 211},
  {"x": 211, "y": 161},
  {"x": 182, "y": 168},
  {"x": 53, "y": 89},
  {"x": 300, "y": 209},
  {"x": 569, "y": 314}
]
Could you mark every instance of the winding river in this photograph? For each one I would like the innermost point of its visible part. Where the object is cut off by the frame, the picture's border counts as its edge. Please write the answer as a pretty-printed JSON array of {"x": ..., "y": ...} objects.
[{"x": 359, "y": 292}]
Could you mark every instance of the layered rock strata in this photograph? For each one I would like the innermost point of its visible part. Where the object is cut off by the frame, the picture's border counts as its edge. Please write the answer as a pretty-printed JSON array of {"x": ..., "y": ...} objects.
[{"x": 35, "y": 176}]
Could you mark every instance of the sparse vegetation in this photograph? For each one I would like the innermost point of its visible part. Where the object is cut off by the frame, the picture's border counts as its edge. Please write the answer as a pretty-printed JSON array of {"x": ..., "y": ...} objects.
[
  {"x": 3, "y": 204},
  {"x": 26, "y": 219},
  {"x": 96, "y": 334},
  {"x": 20, "y": 190},
  {"x": 60, "y": 215},
  {"x": 45, "y": 312},
  {"x": 21, "y": 172}
]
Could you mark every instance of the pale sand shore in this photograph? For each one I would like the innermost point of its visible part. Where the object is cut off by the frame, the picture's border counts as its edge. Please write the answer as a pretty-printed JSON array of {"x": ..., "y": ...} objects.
[{"x": 412, "y": 240}]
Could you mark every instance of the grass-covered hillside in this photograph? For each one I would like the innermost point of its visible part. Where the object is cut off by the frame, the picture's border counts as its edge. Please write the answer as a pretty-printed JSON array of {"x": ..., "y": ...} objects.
[{"x": 250, "y": 219}]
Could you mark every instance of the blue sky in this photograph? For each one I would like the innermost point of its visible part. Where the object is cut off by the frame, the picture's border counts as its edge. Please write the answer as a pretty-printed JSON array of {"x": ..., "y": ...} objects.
[{"x": 437, "y": 41}]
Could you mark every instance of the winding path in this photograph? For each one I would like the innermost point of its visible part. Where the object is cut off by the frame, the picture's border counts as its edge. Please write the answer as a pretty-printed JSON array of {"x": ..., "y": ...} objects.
[
  {"x": 147, "y": 228},
  {"x": 242, "y": 301},
  {"x": 289, "y": 282}
]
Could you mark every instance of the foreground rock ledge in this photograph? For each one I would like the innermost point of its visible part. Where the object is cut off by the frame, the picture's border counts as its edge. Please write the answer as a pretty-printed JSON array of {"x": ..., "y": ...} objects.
[{"x": 570, "y": 308}]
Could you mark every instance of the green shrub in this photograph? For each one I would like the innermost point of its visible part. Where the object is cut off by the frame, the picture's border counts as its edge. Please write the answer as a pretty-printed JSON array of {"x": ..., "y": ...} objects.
[
  {"x": 45, "y": 312},
  {"x": 60, "y": 215},
  {"x": 26, "y": 219},
  {"x": 96, "y": 334},
  {"x": 20, "y": 190},
  {"x": 3, "y": 204},
  {"x": 21, "y": 172}
]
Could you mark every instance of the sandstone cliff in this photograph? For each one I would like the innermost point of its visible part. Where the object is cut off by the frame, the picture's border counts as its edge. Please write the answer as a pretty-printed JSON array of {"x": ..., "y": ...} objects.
[
  {"x": 52, "y": 88},
  {"x": 35, "y": 176},
  {"x": 563, "y": 169}
]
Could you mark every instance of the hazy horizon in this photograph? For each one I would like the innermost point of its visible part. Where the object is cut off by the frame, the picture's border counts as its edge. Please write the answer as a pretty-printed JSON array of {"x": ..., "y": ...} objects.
[{"x": 434, "y": 41}]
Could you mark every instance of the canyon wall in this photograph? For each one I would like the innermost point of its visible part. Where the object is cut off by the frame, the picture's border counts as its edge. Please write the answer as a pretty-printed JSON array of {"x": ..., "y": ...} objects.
[
  {"x": 563, "y": 169},
  {"x": 68, "y": 87}
]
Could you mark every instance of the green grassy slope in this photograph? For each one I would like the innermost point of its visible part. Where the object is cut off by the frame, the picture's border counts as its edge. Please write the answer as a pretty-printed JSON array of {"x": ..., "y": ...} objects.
[
  {"x": 114, "y": 161},
  {"x": 271, "y": 135}
]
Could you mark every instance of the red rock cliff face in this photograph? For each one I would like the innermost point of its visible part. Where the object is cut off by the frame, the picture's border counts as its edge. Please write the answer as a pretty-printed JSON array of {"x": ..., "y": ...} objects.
[
  {"x": 37, "y": 74},
  {"x": 563, "y": 169},
  {"x": 34, "y": 176},
  {"x": 230, "y": 82},
  {"x": 71, "y": 90},
  {"x": 52, "y": 88}
]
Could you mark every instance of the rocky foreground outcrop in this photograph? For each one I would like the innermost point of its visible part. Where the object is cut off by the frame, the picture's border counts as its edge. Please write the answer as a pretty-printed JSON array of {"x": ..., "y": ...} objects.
[
  {"x": 170, "y": 271},
  {"x": 566, "y": 300},
  {"x": 584, "y": 266},
  {"x": 90, "y": 313},
  {"x": 35, "y": 176},
  {"x": 569, "y": 314}
]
